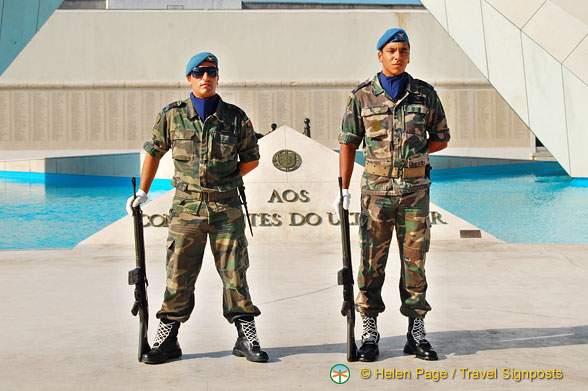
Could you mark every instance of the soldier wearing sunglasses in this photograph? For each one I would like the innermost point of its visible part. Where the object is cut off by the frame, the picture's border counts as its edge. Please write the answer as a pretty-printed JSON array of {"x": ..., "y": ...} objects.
[{"x": 213, "y": 145}]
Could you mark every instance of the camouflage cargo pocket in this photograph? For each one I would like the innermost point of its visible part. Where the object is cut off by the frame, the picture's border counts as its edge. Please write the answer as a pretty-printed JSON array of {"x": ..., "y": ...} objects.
[
  {"x": 364, "y": 225},
  {"x": 242, "y": 251},
  {"x": 182, "y": 144},
  {"x": 428, "y": 235}
]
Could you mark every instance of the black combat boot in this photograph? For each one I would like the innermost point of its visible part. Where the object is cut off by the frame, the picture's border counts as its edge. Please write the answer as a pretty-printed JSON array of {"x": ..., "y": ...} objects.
[
  {"x": 369, "y": 338},
  {"x": 166, "y": 344},
  {"x": 247, "y": 344},
  {"x": 416, "y": 342}
]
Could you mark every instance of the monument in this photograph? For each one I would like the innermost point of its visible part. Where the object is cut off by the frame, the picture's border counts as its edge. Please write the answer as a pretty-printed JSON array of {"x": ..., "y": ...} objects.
[{"x": 289, "y": 197}]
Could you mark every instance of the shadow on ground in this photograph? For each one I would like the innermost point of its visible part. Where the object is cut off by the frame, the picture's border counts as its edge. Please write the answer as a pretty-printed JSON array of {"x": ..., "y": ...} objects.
[{"x": 462, "y": 342}]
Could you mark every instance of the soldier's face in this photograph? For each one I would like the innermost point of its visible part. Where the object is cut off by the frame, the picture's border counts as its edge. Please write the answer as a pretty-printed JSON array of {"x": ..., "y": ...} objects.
[
  {"x": 394, "y": 57},
  {"x": 205, "y": 86}
]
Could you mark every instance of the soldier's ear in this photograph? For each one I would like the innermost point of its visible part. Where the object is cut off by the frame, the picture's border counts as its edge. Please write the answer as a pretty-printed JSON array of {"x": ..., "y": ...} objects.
[{"x": 380, "y": 56}]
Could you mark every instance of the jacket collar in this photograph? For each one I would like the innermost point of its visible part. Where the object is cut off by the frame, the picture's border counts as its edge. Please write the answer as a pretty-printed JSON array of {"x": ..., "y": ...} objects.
[
  {"x": 377, "y": 87},
  {"x": 222, "y": 107}
]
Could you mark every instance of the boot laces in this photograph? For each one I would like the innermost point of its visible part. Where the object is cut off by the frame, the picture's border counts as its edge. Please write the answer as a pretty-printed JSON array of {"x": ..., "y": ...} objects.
[
  {"x": 249, "y": 331},
  {"x": 370, "y": 330},
  {"x": 163, "y": 332},
  {"x": 418, "y": 331}
]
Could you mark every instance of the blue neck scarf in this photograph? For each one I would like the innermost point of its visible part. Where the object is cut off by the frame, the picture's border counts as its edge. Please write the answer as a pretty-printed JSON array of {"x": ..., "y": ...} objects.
[
  {"x": 204, "y": 106},
  {"x": 394, "y": 85}
]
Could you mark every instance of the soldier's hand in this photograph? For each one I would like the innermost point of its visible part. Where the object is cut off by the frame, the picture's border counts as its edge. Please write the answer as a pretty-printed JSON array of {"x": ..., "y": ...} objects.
[
  {"x": 133, "y": 202},
  {"x": 346, "y": 200}
]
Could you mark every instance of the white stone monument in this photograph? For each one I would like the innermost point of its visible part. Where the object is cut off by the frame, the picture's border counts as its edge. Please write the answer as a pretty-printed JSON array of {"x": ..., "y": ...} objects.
[{"x": 290, "y": 195}]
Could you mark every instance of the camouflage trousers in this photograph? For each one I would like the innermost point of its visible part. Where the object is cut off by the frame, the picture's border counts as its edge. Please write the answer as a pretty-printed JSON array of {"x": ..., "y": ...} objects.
[
  {"x": 380, "y": 215},
  {"x": 191, "y": 224}
]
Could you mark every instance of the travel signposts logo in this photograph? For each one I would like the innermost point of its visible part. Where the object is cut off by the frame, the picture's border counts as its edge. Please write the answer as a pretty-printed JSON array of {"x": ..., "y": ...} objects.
[{"x": 340, "y": 374}]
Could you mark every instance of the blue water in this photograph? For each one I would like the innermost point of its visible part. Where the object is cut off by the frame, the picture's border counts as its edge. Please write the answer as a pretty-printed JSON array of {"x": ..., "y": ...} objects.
[
  {"x": 519, "y": 203},
  {"x": 41, "y": 211}
]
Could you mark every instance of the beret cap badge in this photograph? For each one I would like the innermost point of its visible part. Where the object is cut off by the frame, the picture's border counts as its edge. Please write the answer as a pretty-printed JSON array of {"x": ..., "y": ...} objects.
[{"x": 392, "y": 35}]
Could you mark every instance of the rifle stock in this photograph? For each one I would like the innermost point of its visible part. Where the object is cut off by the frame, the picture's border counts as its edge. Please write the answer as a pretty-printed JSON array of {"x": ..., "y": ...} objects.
[
  {"x": 345, "y": 278},
  {"x": 138, "y": 277}
]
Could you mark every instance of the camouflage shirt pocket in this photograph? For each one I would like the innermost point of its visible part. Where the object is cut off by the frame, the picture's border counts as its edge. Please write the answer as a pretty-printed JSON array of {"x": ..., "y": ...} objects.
[
  {"x": 376, "y": 122},
  {"x": 182, "y": 144},
  {"x": 415, "y": 119},
  {"x": 224, "y": 147}
]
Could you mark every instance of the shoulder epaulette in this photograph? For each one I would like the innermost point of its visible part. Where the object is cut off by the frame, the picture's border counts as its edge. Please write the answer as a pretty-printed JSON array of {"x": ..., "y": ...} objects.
[
  {"x": 423, "y": 83},
  {"x": 178, "y": 103},
  {"x": 236, "y": 110},
  {"x": 361, "y": 85},
  {"x": 232, "y": 107}
]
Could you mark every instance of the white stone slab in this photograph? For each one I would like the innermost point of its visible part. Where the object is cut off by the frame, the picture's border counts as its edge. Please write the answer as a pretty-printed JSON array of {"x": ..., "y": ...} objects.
[
  {"x": 576, "y": 96},
  {"x": 465, "y": 25},
  {"x": 546, "y": 100},
  {"x": 518, "y": 12},
  {"x": 505, "y": 60},
  {"x": 18, "y": 165},
  {"x": 318, "y": 43},
  {"x": 437, "y": 9},
  {"x": 556, "y": 30},
  {"x": 577, "y": 62},
  {"x": 578, "y": 8},
  {"x": 297, "y": 205}
]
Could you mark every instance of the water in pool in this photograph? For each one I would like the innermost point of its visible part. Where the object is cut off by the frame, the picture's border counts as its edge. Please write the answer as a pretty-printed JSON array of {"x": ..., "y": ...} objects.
[
  {"x": 519, "y": 203},
  {"x": 524, "y": 203},
  {"x": 59, "y": 211}
]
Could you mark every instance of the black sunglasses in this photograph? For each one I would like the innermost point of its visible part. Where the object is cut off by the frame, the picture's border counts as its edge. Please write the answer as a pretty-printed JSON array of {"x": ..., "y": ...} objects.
[{"x": 199, "y": 71}]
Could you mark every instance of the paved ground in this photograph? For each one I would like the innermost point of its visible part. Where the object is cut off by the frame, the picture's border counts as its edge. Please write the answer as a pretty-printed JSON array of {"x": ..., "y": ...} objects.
[{"x": 66, "y": 323}]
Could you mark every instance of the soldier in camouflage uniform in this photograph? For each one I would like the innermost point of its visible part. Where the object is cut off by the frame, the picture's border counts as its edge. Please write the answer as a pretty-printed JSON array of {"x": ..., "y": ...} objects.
[
  {"x": 400, "y": 120},
  {"x": 213, "y": 145}
]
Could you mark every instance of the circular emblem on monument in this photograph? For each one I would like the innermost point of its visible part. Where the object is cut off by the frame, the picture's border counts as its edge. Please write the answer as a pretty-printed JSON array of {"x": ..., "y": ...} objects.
[{"x": 286, "y": 160}]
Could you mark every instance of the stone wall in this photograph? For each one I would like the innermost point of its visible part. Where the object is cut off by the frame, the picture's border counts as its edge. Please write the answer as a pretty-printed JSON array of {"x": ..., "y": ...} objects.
[{"x": 121, "y": 116}]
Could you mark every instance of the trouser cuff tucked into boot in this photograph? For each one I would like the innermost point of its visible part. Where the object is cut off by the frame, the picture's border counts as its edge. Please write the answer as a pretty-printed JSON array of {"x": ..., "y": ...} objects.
[
  {"x": 369, "y": 338},
  {"x": 166, "y": 344},
  {"x": 247, "y": 344},
  {"x": 416, "y": 343}
]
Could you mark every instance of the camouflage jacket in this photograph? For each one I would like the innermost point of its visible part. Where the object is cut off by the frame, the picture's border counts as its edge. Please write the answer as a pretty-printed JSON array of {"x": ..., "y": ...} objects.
[
  {"x": 206, "y": 154},
  {"x": 395, "y": 134}
]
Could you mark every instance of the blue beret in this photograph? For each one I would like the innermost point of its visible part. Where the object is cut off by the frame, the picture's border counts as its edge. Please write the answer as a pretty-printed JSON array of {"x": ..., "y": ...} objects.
[
  {"x": 198, "y": 58},
  {"x": 392, "y": 35}
]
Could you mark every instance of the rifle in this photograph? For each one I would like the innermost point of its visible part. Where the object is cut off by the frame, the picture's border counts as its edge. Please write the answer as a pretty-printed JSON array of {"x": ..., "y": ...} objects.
[
  {"x": 345, "y": 278},
  {"x": 138, "y": 277},
  {"x": 244, "y": 202}
]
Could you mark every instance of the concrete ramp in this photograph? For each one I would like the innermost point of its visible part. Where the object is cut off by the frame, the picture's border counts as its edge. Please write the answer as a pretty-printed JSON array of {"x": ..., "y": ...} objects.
[
  {"x": 535, "y": 53},
  {"x": 289, "y": 196}
]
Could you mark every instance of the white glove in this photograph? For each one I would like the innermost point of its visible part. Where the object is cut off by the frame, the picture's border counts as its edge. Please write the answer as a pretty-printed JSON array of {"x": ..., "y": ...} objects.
[
  {"x": 141, "y": 198},
  {"x": 346, "y": 199}
]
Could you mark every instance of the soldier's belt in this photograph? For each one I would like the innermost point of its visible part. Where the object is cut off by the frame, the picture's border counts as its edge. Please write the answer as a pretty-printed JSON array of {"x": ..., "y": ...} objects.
[
  {"x": 395, "y": 172},
  {"x": 207, "y": 196}
]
